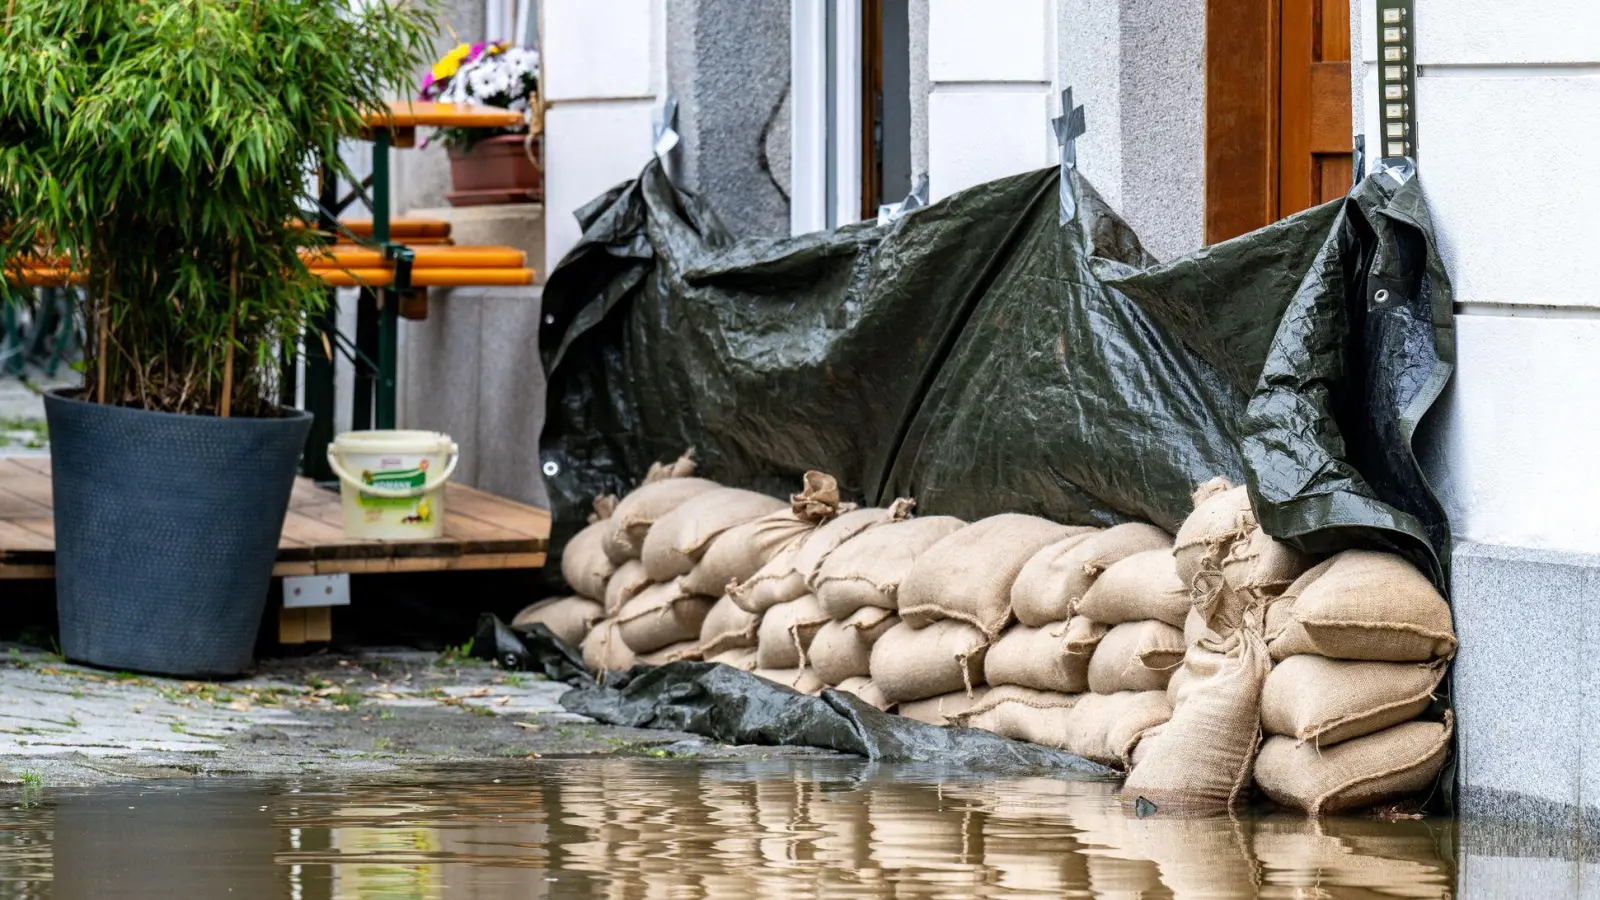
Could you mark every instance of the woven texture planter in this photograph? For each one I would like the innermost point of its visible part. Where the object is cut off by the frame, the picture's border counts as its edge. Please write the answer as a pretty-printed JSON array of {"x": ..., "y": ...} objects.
[{"x": 167, "y": 528}]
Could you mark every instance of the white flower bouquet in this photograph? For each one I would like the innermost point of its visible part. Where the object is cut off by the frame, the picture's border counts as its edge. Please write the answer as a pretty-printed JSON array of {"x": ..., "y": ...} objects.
[{"x": 484, "y": 74}]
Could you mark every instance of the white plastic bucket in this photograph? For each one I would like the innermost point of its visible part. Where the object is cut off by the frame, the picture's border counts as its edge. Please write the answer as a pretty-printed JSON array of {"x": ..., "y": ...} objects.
[{"x": 391, "y": 483}]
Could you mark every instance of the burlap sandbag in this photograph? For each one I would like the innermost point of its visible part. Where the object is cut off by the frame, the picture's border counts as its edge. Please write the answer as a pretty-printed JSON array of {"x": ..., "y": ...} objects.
[
  {"x": 604, "y": 649},
  {"x": 1175, "y": 683},
  {"x": 624, "y": 585},
  {"x": 1261, "y": 567},
  {"x": 944, "y": 709},
  {"x": 862, "y": 687},
  {"x": 727, "y": 627},
  {"x": 739, "y": 553},
  {"x": 661, "y": 615},
  {"x": 635, "y": 513},
  {"x": 968, "y": 575},
  {"x": 1103, "y": 728},
  {"x": 1221, "y": 516},
  {"x": 1327, "y": 701},
  {"x": 568, "y": 618},
  {"x": 776, "y": 582},
  {"x": 682, "y": 650},
  {"x": 678, "y": 539},
  {"x": 1362, "y": 772},
  {"x": 1194, "y": 627},
  {"x": 1056, "y": 578},
  {"x": 1146, "y": 741},
  {"x": 1052, "y": 658},
  {"x": 584, "y": 563},
  {"x": 682, "y": 467},
  {"x": 1202, "y": 758},
  {"x": 917, "y": 663},
  {"x": 786, "y": 631},
  {"x": 803, "y": 680},
  {"x": 1038, "y": 596},
  {"x": 843, "y": 650},
  {"x": 1362, "y": 605},
  {"x": 1135, "y": 656},
  {"x": 1141, "y": 586},
  {"x": 743, "y": 658},
  {"x": 867, "y": 570},
  {"x": 817, "y": 546}
]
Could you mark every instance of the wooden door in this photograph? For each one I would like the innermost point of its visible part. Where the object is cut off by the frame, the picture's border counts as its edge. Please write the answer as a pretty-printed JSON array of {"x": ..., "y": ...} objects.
[{"x": 1278, "y": 125}]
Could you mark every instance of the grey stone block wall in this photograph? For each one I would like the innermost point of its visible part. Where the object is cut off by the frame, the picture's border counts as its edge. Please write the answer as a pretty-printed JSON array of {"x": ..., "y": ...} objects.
[
  {"x": 472, "y": 370},
  {"x": 917, "y": 13},
  {"x": 728, "y": 65},
  {"x": 1527, "y": 686}
]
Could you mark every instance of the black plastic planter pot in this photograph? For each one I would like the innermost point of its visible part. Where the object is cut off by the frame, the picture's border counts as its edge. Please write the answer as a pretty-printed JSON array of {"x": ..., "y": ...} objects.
[{"x": 166, "y": 531}]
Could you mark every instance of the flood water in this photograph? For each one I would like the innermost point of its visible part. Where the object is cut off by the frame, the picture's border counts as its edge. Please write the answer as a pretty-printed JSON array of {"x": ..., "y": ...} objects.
[{"x": 647, "y": 828}]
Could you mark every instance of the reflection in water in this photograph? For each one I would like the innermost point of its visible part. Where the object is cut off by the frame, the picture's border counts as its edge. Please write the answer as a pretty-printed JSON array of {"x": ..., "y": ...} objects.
[{"x": 627, "y": 829}]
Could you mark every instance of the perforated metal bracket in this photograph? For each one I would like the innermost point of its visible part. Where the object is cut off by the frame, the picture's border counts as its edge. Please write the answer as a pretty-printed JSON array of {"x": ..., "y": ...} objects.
[{"x": 1397, "y": 80}]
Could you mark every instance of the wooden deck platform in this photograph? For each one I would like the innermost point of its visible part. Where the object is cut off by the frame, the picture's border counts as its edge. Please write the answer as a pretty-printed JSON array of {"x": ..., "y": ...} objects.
[{"x": 481, "y": 531}]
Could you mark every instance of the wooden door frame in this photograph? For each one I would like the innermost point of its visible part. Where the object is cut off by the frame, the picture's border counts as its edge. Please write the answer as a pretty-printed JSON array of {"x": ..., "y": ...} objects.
[
  {"x": 1277, "y": 110},
  {"x": 1243, "y": 81}
]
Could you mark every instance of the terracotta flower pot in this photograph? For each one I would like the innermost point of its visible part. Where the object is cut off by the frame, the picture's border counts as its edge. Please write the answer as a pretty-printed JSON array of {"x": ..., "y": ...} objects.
[{"x": 496, "y": 170}]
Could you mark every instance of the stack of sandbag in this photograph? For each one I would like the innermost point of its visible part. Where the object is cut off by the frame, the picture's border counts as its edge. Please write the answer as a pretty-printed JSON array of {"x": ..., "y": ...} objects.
[
  {"x": 782, "y": 594},
  {"x": 1359, "y": 644},
  {"x": 954, "y": 602},
  {"x": 857, "y": 587},
  {"x": 669, "y": 526},
  {"x": 1086, "y": 666},
  {"x": 588, "y": 571},
  {"x": 1201, "y": 759},
  {"x": 636, "y": 568}
]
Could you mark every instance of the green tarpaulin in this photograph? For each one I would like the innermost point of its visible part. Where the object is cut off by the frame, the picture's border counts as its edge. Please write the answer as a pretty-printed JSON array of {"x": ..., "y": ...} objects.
[{"x": 981, "y": 357}]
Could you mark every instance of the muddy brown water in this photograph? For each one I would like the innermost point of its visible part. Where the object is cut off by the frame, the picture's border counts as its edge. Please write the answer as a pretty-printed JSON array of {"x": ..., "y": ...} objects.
[{"x": 650, "y": 828}]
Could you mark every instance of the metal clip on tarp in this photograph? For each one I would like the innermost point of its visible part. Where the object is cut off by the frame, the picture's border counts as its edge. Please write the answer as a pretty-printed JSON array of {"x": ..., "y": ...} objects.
[
  {"x": 665, "y": 127},
  {"x": 918, "y": 198},
  {"x": 1068, "y": 127}
]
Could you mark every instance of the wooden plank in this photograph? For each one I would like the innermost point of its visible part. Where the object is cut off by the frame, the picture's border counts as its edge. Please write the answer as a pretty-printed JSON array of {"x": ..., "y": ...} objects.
[
  {"x": 399, "y": 565},
  {"x": 1241, "y": 116},
  {"x": 1330, "y": 124},
  {"x": 318, "y": 624},
  {"x": 482, "y": 532},
  {"x": 14, "y": 537},
  {"x": 1336, "y": 173},
  {"x": 1296, "y": 190},
  {"x": 291, "y": 626},
  {"x": 39, "y": 464},
  {"x": 307, "y": 533},
  {"x": 19, "y": 481},
  {"x": 527, "y": 520}
]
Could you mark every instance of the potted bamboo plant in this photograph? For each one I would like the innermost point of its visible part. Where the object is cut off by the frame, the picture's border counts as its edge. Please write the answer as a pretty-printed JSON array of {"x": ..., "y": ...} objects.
[
  {"x": 490, "y": 166},
  {"x": 161, "y": 151}
]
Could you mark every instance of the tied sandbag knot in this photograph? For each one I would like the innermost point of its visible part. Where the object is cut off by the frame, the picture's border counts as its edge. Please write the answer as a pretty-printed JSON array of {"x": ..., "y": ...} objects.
[
  {"x": 818, "y": 500},
  {"x": 682, "y": 467},
  {"x": 604, "y": 506}
]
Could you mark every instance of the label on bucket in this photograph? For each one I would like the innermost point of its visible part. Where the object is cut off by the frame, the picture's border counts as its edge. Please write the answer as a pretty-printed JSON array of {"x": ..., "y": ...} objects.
[{"x": 398, "y": 479}]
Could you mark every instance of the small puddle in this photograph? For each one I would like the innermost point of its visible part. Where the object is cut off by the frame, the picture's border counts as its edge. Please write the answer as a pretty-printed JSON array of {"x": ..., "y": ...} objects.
[{"x": 645, "y": 828}]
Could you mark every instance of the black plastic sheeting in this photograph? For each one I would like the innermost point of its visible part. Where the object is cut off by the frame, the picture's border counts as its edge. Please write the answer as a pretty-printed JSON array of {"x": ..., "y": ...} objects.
[
  {"x": 734, "y": 707},
  {"x": 981, "y": 357}
]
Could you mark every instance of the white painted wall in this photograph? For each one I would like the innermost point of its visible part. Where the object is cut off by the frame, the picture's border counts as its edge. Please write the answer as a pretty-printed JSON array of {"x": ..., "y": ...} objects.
[
  {"x": 1508, "y": 146},
  {"x": 991, "y": 76},
  {"x": 603, "y": 67}
]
